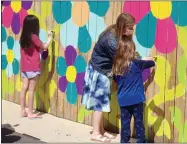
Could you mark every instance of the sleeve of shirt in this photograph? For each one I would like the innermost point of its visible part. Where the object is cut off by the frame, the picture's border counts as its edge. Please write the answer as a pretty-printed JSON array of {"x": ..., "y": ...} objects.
[
  {"x": 36, "y": 40},
  {"x": 112, "y": 45},
  {"x": 144, "y": 64}
]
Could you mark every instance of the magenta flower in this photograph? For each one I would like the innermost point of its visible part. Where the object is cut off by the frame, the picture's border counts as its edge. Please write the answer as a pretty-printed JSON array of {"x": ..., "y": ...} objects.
[{"x": 13, "y": 14}]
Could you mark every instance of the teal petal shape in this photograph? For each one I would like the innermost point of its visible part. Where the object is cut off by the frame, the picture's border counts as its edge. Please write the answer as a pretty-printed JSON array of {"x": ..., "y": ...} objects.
[
  {"x": 61, "y": 11},
  {"x": 69, "y": 34},
  {"x": 179, "y": 11},
  {"x": 96, "y": 25},
  {"x": 17, "y": 50},
  {"x": 4, "y": 62},
  {"x": 4, "y": 48},
  {"x": 9, "y": 70},
  {"x": 145, "y": 31},
  {"x": 3, "y": 34},
  {"x": 15, "y": 66},
  {"x": 43, "y": 35},
  {"x": 71, "y": 93},
  {"x": 10, "y": 42},
  {"x": 100, "y": 8},
  {"x": 84, "y": 40},
  {"x": 143, "y": 51},
  {"x": 61, "y": 66},
  {"x": 80, "y": 64}
]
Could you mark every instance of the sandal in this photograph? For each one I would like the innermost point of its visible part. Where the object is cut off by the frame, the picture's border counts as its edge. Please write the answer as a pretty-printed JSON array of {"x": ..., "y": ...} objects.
[
  {"x": 100, "y": 138},
  {"x": 106, "y": 134},
  {"x": 34, "y": 116}
]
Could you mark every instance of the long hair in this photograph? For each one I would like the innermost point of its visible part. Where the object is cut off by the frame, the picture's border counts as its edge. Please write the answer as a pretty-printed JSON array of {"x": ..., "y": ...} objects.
[
  {"x": 30, "y": 26},
  {"x": 123, "y": 21},
  {"x": 124, "y": 55}
]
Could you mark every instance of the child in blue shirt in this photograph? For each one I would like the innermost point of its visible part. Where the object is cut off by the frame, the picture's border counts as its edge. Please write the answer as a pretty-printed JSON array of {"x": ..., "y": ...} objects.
[{"x": 127, "y": 72}]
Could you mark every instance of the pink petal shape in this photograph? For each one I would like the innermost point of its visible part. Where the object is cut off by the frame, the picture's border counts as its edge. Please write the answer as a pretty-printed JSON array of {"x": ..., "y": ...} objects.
[
  {"x": 166, "y": 36},
  {"x": 137, "y": 9},
  {"x": 7, "y": 16},
  {"x": 23, "y": 13}
]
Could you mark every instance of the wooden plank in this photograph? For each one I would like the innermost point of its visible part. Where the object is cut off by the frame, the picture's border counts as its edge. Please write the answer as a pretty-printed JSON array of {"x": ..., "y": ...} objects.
[
  {"x": 112, "y": 119},
  {"x": 40, "y": 89},
  {"x": 179, "y": 114},
  {"x": 10, "y": 70},
  {"x": 50, "y": 78},
  {"x": 67, "y": 106},
  {"x": 172, "y": 59},
  {"x": 60, "y": 96},
  {"x": 54, "y": 76},
  {"x": 108, "y": 21},
  {"x": 88, "y": 116},
  {"x": 17, "y": 77}
]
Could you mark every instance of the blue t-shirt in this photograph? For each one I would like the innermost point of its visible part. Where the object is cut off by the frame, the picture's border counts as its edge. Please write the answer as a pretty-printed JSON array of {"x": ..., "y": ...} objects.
[{"x": 130, "y": 85}]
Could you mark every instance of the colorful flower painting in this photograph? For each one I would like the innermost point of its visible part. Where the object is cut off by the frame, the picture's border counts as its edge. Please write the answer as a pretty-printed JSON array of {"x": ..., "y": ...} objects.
[
  {"x": 81, "y": 22},
  {"x": 10, "y": 54},
  {"x": 72, "y": 71},
  {"x": 13, "y": 14}
]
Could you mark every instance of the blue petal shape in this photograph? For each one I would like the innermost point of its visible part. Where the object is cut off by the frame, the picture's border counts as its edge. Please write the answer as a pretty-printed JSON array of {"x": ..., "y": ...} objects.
[
  {"x": 43, "y": 35},
  {"x": 95, "y": 26},
  {"x": 61, "y": 66},
  {"x": 17, "y": 50},
  {"x": 84, "y": 40},
  {"x": 9, "y": 70},
  {"x": 3, "y": 34},
  {"x": 144, "y": 52},
  {"x": 15, "y": 66},
  {"x": 71, "y": 93},
  {"x": 69, "y": 34},
  {"x": 61, "y": 11},
  {"x": 80, "y": 64},
  {"x": 179, "y": 12},
  {"x": 4, "y": 48},
  {"x": 4, "y": 62},
  {"x": 145, "y": 31},
  {"x": 99, "y": 8},
  {"x": 10, "y": 42}
]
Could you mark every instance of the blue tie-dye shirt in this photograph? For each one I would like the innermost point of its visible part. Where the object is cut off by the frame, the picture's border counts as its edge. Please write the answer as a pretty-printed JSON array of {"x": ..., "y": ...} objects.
[{"x": 130, "y": 85}]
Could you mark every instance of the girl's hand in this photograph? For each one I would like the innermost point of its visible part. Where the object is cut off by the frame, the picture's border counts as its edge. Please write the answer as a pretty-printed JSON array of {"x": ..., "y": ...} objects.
[
  {"x": 147, "y": 58},
  {"x": 50, "y": 34}
]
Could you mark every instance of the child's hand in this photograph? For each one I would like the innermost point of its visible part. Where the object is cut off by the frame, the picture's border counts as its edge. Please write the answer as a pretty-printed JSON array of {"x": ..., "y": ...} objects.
[
  {"x": 147, "y": 58},
  {"x": 110, "y": 74},
  {"x": 50, "y": 34}
]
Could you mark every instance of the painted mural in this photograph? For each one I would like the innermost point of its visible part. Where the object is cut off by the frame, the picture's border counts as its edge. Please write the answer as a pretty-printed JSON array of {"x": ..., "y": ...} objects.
[{"x": 161, "y": 30}]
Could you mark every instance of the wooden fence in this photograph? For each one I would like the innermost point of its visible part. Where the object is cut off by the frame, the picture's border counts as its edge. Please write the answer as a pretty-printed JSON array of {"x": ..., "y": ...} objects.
[{"x": 161, "y": 30}]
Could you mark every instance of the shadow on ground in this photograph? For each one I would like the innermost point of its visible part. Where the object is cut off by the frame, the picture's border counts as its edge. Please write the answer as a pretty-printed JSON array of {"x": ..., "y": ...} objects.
[{"x": 8, "y": 135}]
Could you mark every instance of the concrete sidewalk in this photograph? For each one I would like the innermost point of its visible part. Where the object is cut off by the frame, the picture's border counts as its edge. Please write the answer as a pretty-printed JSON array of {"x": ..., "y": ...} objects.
[{"x": 49, "y": 128}]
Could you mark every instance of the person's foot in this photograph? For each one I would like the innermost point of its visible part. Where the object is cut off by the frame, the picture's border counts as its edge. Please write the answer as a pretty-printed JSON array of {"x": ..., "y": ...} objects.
[
  {"x": 108, "y": 135},
  {"x": 24, "y": 113},
  {"x": 33, "y": 116},
  {"x": 100, "y": 138}
]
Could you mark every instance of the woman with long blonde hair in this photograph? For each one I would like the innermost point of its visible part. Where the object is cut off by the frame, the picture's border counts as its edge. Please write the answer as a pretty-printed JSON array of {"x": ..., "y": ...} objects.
[{"x": 96, "y": 91}]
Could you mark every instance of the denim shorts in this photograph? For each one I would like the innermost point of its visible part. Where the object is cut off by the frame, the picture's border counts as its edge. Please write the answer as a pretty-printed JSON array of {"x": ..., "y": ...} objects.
[{"x": 30, "y": 74}]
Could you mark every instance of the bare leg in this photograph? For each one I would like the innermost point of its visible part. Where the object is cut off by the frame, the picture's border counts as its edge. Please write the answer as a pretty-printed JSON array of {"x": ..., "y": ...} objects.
[
  {"x": 97, "y": 135},
  {"x": 97, "y": 117},
  {"x": 103, "y": 132},
  {"x": 24, "y": 89},
  {"x": 32, "y": 85}
]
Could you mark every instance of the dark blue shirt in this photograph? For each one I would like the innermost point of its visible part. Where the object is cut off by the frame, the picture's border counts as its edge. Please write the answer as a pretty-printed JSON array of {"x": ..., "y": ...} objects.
[
  {"x": 130, "y": 85},
  {"x": 103, "y": 53}
]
